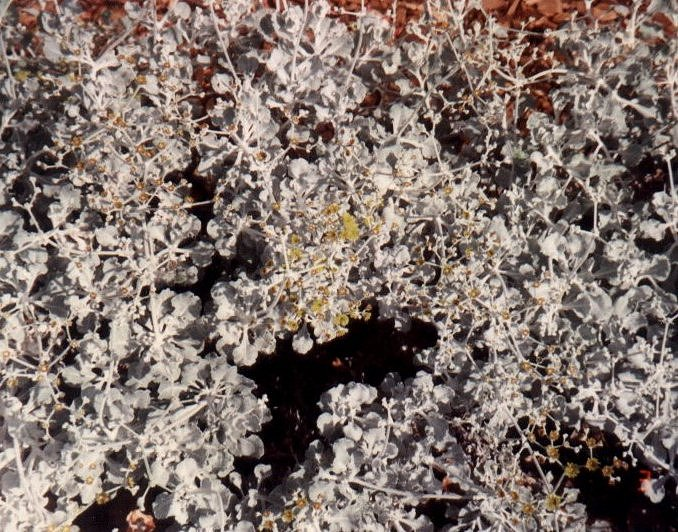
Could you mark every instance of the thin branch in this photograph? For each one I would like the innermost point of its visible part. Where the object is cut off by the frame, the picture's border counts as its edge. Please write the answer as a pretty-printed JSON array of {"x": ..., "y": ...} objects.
[{"x": 408, "y": 494}]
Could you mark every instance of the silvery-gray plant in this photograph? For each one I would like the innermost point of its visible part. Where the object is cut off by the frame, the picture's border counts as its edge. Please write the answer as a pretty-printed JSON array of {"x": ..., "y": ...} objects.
[{"x": 549, "y": 278}]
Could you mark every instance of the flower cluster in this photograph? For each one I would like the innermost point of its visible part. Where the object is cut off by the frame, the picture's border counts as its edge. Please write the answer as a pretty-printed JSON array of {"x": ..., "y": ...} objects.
[{"x": 187, "y": 184}]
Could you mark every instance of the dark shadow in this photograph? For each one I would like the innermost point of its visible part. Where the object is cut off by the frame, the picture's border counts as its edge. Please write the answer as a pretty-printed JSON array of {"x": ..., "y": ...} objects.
[
  {"x": 610, "y": 487},
  {"x": 294, "y": 383}
]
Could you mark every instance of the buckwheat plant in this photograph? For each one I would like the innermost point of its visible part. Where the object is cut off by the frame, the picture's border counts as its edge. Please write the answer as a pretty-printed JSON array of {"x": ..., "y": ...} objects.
[{"x": 185, "y": 184}]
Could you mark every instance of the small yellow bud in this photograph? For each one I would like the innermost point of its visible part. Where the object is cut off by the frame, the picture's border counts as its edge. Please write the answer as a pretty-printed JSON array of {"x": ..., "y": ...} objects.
[
  {"x": 552, "y": 452},
  {"x": 288, "y": 516},
  {"x": 592, "y": 464},
  {"x": 300, "y": 502},
  {"x": 571, "y": 470}
]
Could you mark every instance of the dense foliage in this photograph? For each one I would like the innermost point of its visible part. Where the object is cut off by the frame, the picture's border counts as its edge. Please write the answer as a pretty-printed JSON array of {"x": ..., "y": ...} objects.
[{"x": 180, "y": 191}]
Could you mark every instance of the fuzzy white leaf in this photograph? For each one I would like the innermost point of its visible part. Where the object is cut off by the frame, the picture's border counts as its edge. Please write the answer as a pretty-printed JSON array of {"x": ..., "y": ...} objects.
[{"x": 302, "y": 342}]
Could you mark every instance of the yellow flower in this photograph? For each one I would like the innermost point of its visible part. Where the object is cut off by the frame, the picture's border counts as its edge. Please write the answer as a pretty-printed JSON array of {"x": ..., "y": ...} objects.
[
  {"x": 528, "y": 508},
  {"x": 318, "y": 305},
  {"x": 592, "y": 464},
  {"x": 295, "y": 254},
  {"x": 300, "y": 502},
  {"x": 553, "y": 502},
  {"x": 331, "y": 209},
  {"x": 341, "y": 320},
  {"x": 350, "y": 230},
  {"x": 291, "y": 324},
  {"x": 571, "y": 470}
]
